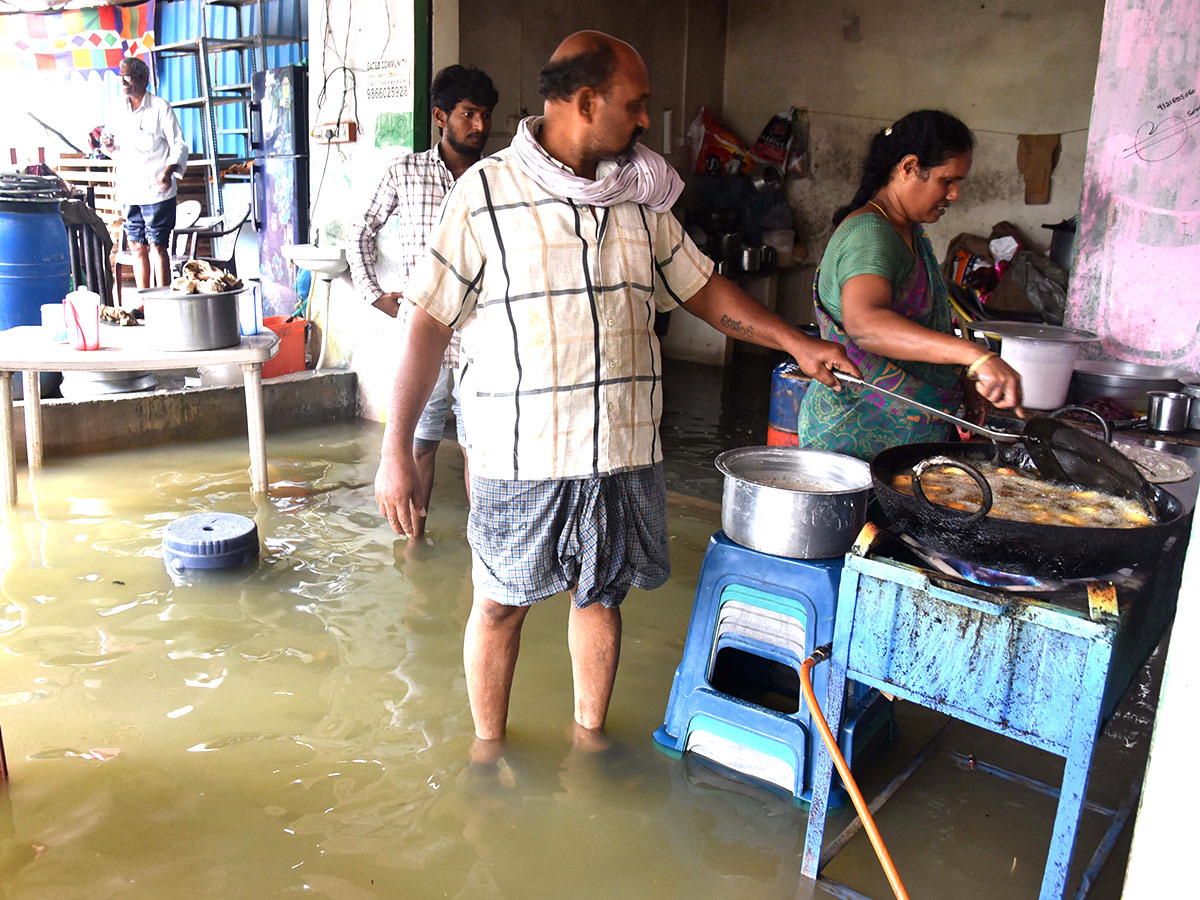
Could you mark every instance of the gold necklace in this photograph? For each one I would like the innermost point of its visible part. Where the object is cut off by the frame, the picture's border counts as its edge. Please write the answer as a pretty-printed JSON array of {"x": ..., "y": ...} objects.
[{"x": 883, "y": 212}]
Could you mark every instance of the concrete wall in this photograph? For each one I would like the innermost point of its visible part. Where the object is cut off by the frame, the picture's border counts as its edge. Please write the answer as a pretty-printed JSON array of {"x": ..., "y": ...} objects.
[
  {"x": 1160, "y": 858},
  {"x": 1135, "y": 283},
  {"x": 1139, "y": 243},
  {"x": 358, "y": 36},
  {"x": 683, "y": 43},
  {"x": 1019, "y": 67},
  {"x": 1007, "y": 69},
  {"x": 111, "y": 421},
  {"x": 1016, "y": 68},
  {"x": 682, "y": 40}
]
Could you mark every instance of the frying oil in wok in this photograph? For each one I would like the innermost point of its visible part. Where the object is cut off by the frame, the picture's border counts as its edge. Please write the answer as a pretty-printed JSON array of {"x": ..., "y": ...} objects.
[{"x": 1019, "y": 497}]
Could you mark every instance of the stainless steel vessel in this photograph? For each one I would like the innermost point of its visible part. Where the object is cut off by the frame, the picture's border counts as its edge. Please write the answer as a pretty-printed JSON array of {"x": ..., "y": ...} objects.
[
  {"x": 176, "y": 321},
  {"x": 1191, "y": 387},
  {"x": 1125, "y": 381},
  {"x": 802, "y": 504},
  {"x": 1168, "y": 411}
]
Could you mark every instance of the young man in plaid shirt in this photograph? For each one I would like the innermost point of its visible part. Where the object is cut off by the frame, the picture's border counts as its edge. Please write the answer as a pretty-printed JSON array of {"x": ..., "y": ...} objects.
[{"x": 411, "y": 192}]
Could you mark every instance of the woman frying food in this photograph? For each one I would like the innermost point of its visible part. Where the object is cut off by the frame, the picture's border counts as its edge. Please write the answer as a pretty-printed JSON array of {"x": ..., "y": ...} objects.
[{"x": 879, "y": 293}]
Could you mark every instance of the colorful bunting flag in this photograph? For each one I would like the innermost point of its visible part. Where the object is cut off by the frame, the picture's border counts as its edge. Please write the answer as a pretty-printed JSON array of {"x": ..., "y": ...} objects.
[{"x": 97, "y": 38}]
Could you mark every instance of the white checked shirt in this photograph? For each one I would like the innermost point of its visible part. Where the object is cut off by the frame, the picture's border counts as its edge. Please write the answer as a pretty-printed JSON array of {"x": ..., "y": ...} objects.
[
  {"x": 412, "y": 190},
  {"x": 561, "y": 374}
]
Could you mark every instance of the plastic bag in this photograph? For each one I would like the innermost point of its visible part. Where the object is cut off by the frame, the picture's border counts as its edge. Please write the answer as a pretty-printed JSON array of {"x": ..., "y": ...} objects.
[
  {"x": 1044, "y": 282},
  {"x": 798, "y": 162},
  {"x": 715, "y": 149},
  {"x": 771, "y": 148}
]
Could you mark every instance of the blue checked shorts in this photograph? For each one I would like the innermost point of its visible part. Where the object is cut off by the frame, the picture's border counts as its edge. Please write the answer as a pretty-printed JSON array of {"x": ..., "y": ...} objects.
[{"x": 533, "y": 539}]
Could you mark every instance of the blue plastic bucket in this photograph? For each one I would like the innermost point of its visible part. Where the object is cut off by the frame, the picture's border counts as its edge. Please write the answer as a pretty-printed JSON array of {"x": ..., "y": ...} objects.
[{"x": 35, "y": 260}]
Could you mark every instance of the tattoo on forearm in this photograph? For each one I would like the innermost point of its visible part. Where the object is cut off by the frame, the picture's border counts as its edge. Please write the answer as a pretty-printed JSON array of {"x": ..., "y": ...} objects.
[{"x": 736, "y": 325}]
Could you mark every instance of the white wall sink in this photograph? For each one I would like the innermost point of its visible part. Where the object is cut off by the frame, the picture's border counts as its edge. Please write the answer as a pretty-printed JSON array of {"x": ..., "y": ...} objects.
[{"x": 324, "y": 261}]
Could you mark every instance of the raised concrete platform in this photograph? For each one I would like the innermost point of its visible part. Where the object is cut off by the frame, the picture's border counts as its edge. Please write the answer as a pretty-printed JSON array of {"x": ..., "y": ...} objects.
[{"x": 116, "y": 421}]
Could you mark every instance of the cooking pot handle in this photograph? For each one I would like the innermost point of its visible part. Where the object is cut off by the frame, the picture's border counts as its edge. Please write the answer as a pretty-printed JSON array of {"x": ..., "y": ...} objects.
[
  {"x": 918, "y": 491},
  {"x": 1104, "y": 423}
]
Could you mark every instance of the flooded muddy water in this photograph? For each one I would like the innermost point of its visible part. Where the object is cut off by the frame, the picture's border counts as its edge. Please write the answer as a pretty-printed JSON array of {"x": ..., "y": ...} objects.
[{"x": 300, "y": 726}]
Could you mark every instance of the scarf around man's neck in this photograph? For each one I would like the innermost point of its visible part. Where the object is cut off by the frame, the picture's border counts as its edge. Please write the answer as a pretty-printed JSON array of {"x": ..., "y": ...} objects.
[{"x": 641, "y": 177}]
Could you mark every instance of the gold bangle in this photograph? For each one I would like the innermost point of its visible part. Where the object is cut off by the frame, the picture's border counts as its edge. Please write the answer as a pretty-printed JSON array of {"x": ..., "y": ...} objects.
[{"x": 973, "y": 369}]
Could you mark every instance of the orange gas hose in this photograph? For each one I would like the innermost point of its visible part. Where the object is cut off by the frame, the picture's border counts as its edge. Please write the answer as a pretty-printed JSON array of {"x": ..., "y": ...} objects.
[{"x": 820, "y": 655}]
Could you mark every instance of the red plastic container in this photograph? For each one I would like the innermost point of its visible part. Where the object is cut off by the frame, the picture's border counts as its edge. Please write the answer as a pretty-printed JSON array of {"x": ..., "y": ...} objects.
[
  {"x": 776, "y": 437},
  {"x": 290, "y": 357}
]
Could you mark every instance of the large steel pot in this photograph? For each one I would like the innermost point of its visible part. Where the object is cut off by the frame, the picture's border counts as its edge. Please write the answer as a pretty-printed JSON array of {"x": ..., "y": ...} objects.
[
  {"x": 178, "y": 321},
  {"x": 803, "y": 504}
]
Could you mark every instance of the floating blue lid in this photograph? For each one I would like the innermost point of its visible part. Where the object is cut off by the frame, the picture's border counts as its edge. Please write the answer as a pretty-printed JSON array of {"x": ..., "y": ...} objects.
[{"x": 210, "y": 541}]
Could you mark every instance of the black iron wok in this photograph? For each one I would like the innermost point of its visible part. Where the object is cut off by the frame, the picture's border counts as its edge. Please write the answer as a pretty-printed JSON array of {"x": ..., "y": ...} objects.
[{"x": 1025, "y": 548}]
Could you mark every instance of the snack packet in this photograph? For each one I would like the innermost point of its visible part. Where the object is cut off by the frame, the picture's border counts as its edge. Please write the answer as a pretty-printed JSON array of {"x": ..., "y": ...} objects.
[
  {"x": 771, "y": 148},
  {"x": 715, "y": 149}
]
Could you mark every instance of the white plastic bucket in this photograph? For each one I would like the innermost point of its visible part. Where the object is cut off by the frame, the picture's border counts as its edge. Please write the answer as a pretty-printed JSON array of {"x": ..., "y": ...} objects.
[{"x": 1045, "y": 368}]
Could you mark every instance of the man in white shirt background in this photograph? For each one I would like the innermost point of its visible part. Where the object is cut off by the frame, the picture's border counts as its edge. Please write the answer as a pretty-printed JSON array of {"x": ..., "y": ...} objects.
[{"x": 145, "y": 140}]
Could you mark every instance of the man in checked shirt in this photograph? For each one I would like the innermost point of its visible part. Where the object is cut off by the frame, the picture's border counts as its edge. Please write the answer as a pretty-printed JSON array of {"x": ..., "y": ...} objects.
[
  {"x": 552, "y": 257},
  {"x": 412, "y": 190}
]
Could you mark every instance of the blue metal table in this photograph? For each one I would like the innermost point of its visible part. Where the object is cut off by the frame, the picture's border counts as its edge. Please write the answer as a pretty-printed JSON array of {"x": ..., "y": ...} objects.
[{"x": 1043, "y": 672}]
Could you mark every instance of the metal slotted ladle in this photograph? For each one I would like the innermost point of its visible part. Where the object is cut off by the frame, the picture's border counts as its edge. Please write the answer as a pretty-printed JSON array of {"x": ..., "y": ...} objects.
[
  {"x": 1000, "y": 437},
  {"x": 1060, "y": 451}
]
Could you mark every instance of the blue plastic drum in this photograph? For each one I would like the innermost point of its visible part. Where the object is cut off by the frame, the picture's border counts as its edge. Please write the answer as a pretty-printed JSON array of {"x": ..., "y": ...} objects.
[
  {"x": 788, "y": 385},
  {"x": 35, "y": 258}
]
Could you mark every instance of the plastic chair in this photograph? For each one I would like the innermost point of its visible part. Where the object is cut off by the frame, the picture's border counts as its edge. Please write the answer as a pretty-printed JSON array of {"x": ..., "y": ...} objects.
[
  {"x": 223, "y": 232},
  {"x": 186, "y": 215}
]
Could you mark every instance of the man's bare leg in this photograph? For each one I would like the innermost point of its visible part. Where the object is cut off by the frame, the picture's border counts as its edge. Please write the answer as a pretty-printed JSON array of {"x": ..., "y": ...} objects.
[
  {"x": 425, "y": 454},
  {"x": 160, "y": 263},
  {"x": 594, "y": 639},
  {"x": 141, "y": 264},
  {"x": 490, "y": 648}
]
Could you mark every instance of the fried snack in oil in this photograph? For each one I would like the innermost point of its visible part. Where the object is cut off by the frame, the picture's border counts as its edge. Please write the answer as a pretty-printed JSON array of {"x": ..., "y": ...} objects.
[{"x": 1019, "y": 497}]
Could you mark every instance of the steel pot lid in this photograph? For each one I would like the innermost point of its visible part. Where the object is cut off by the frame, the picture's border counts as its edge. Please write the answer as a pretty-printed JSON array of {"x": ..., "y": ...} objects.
[
  {"x": 1034, "y": 332},
  {"x": 1134, "y": 371},
  {"x": 160, "y": 293}
]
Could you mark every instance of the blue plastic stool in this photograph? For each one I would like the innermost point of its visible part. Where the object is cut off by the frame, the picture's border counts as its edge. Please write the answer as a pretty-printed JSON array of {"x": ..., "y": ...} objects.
[{"x": 773, "y": 612}]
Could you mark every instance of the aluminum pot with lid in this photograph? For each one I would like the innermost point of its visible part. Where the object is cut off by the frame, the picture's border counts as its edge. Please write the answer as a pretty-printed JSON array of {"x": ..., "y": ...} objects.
[
  {"x": 1126, "y": 381},
  {"x": 786, "y": 501},
  {"x": 180, "y": 322}
]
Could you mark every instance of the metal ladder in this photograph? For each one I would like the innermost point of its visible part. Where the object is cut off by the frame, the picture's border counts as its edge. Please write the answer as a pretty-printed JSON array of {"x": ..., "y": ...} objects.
[{"x": 244, "y": 38}]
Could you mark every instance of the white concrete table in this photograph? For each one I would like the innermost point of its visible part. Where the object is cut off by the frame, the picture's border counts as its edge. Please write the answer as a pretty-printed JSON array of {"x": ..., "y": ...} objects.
[{"x": 29, "y": 349}]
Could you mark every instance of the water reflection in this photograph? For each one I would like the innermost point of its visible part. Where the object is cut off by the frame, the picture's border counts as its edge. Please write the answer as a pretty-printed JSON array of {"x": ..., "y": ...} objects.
[{"x": 301, "y": 725}]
